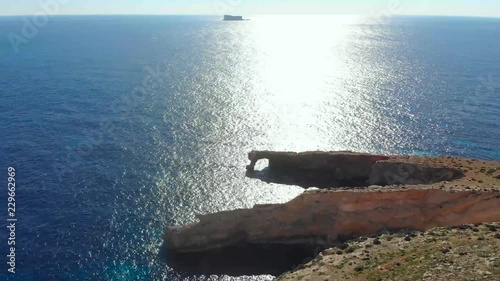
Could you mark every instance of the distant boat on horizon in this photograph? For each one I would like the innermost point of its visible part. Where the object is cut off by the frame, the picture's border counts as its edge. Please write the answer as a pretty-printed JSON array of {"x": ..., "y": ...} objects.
[{"x": 231, "y": 18}]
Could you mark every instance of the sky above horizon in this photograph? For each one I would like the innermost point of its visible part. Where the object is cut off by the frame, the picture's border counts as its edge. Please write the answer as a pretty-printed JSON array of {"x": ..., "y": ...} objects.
[{"x": 484, "y": 8}]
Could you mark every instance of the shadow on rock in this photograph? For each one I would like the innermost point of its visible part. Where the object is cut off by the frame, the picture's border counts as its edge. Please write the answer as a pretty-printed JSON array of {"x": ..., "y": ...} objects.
[{"x": 239, "y": 260}]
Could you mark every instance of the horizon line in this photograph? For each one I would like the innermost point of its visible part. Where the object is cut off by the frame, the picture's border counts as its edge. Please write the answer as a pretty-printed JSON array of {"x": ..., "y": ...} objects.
[{"x": 218, "y": 15}]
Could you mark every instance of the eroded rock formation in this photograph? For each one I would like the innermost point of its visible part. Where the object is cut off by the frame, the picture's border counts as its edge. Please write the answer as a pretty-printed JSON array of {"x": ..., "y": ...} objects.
[
  {"x": 422, "y": 193},
  {"x": 333, "y": 169}
]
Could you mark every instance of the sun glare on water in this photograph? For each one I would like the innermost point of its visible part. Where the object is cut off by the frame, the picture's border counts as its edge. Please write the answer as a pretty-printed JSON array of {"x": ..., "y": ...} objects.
[{"x": 301, "y": 63}]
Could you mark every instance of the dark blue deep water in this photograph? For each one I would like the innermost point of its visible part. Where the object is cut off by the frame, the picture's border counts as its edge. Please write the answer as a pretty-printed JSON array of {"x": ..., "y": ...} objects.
[{"x": 118, "y": 126}]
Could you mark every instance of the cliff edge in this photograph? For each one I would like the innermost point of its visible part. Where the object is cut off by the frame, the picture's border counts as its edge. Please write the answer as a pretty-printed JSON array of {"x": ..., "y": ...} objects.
[{"x": 362, "y": 195}]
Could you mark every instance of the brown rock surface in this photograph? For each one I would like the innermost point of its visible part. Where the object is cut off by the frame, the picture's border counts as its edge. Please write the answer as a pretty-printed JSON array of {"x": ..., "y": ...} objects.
[{"x": 333, "y": 214}]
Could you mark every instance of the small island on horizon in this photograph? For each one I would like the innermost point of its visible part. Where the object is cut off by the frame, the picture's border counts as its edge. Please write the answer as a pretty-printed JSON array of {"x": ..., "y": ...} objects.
[{"x": 232, "y": 18}]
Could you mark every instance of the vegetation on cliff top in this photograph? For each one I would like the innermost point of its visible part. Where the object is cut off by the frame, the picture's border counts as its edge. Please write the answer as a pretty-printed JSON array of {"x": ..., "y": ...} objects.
[{"x": 469, "y": 252}]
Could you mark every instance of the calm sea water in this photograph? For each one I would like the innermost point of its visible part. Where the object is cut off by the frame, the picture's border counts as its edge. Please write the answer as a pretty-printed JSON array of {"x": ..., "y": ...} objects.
[{"x": 121, "y": 125}]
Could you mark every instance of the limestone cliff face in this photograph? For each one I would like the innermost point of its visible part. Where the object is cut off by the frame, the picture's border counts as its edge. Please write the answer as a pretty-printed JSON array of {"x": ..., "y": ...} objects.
[{"x": 333, "y": 214}]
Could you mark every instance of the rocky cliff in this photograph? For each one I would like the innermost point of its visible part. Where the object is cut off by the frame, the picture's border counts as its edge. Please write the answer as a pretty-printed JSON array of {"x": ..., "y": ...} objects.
[
  {"x": 334, "y": 169},
  {"x": 371, "y": 194}
]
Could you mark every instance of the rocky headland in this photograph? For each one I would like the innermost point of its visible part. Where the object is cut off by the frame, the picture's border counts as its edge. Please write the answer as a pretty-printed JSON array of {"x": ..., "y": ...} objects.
[{"x": 360, "y": 196}]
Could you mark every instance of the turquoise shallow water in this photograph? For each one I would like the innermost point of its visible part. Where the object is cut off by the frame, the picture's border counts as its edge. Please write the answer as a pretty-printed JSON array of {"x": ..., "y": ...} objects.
[{"x": 121, "y": 125}]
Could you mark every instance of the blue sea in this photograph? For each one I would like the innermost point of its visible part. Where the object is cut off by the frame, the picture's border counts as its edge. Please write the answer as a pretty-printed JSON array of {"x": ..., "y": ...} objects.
[{"x": 118, "y": 126}]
